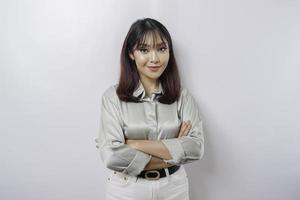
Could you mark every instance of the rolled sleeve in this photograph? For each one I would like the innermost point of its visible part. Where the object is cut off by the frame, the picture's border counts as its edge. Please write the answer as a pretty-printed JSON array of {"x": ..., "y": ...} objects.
[
  {"x": 115, "y": 154},
  {"x": 138, "y": 163},
  {"x": 175, "y": 149},
  {"x": 188, "y": 148}
]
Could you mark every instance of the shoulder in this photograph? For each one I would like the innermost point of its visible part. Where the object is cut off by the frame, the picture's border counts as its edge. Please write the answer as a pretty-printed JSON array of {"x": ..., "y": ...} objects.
[
  {"x": 110, "y": 93},
  {"x": 182, "y": 97},
  {"x": 184, "y": 92},
  {"x": 186, "y": 96}
]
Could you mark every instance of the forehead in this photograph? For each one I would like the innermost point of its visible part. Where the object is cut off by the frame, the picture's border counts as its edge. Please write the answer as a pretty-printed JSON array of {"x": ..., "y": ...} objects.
[{"x": 152, "y": 39}]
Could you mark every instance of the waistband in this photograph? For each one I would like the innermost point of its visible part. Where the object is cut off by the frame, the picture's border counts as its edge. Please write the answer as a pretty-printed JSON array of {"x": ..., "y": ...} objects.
[{"x": 155, "y": 174}]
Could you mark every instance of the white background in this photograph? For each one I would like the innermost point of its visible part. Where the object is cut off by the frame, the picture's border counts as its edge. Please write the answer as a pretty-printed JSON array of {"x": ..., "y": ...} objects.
[{"x": 239, "y": 59}]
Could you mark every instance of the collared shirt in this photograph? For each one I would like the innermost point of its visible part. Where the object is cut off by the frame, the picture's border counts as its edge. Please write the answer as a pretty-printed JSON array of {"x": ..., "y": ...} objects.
[{"x": 148, "y": 120}]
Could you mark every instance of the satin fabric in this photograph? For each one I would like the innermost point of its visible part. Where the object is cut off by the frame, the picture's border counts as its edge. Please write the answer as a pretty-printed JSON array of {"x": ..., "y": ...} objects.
[{"x": 147, "y": 120}]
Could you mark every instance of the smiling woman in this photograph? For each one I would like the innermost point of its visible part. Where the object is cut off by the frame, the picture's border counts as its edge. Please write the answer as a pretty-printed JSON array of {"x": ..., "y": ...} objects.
[
  {"x": 150, "y": 126},
  {"x": 151, "y": 58},
  {"x": 147, "y": 56}
]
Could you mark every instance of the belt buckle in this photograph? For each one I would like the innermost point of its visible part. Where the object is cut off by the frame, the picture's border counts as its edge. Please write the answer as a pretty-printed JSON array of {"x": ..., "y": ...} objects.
[{"x": 152, "y": 178}]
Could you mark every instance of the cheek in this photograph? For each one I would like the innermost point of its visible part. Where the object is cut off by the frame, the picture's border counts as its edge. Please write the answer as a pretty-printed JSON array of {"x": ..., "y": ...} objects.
[
  {"x": 141, "y": 61},
  {"x": 140, "y": 65},
  {"x": 165, "y": 58}
]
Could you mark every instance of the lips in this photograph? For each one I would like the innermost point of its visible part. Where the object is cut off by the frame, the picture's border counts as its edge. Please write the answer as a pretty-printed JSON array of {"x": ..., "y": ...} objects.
[{"x": 153, "y": 66}]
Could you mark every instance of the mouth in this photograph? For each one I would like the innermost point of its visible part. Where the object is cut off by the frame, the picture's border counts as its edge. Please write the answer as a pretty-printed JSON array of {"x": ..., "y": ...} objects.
[{"x": 154, "y": 68}]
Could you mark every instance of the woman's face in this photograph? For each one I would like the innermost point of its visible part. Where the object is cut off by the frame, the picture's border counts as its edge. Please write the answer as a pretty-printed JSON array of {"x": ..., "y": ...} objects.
[{"x": 151, "y": 61}]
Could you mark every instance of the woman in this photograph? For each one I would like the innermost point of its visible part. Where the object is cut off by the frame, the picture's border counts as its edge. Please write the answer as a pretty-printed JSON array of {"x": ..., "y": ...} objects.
[{"x": 150, "y": 126}]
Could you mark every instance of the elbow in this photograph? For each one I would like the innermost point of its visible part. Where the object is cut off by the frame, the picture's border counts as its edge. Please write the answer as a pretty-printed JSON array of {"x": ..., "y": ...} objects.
[
  {"x": 201, "y": 153},
  {"x": 196, "y": 154},
  {"x": 195, "y": 146},
  {"x": 110, "y": 161},
  {"x": 200, "y": 150},
  {"x": 193, "y": 150},
  {"x": 113, "y": 164}
]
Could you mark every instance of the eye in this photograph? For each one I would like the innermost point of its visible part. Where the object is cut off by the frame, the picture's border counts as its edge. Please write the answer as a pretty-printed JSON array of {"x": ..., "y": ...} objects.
[
  {"x": 163, "y": 49},
  {"x": 144, "y": 50}
]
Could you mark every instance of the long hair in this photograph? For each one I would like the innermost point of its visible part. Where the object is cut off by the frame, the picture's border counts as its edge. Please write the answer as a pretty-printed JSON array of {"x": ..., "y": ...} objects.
[{"x": 129, "y": 77}]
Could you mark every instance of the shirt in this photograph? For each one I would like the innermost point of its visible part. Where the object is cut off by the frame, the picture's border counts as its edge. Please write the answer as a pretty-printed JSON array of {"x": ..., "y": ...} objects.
[{"x": 148, "y": 120}]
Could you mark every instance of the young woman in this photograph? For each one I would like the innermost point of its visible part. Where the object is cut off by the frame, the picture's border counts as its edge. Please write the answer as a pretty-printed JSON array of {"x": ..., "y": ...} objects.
[{"x": 150, "y": 126}]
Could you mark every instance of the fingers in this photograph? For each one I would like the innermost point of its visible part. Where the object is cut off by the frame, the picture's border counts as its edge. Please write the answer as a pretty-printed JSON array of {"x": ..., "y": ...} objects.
[
  {"x": 185, "y": 128},
  {"x": 182, "y": 129},
  {"x": 182, "y": 126},
  {"x": 188, "y": 128}
]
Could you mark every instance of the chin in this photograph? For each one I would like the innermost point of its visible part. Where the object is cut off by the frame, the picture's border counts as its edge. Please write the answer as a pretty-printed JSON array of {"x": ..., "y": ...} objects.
[{"x": 154, "y": 77}]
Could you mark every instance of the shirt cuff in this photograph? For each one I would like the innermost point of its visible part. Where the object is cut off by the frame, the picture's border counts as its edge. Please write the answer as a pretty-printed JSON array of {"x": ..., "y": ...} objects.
[
  {"x": 138, "y": 164},
  {"x": 175, "y": 149}
]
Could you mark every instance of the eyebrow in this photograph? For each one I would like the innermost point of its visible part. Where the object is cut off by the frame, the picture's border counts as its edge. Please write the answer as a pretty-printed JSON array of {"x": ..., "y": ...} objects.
[{"x": 158, "y": 45}]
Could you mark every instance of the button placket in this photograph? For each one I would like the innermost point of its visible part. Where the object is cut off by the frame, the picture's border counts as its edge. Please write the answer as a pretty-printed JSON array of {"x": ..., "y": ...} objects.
[{"x": 154, "y": 119}]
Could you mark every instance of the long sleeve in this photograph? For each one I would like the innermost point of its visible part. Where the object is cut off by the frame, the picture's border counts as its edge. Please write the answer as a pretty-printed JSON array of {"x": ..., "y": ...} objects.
[
  {"x": 188, "y": 148},
  {"x": 115, "y": 154}
]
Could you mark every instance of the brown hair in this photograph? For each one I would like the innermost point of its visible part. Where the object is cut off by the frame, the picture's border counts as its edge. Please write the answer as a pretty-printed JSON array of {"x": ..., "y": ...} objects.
[{"x": 129, "y": 77}]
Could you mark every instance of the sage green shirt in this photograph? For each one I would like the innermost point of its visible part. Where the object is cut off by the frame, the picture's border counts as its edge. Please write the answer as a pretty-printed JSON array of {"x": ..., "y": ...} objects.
[{"x": 149, "y": 120}]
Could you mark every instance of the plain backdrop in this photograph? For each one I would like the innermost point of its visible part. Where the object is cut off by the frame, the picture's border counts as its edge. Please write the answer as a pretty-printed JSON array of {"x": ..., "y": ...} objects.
[{"x": 239, "y": 59}]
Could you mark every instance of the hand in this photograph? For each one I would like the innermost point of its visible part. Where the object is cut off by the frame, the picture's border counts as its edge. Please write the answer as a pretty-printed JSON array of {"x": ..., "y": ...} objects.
[
  {"x": 156, "y": 163},
  {"x": 184, "y": 128}
]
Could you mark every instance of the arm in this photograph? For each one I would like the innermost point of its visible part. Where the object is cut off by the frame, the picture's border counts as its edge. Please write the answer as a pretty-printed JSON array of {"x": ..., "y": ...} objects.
[
  {"x": 181, "y": 150},
  {"x": 190, "y": 147},
  {"x": 156, "y": 148},
  {"x": 156, "y": 163},
  {"x": 115, "y": 154},
  {"x": 153, "y": 147}
]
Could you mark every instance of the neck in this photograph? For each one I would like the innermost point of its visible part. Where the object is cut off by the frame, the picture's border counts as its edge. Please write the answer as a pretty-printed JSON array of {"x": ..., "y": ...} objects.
[{"x": 150, "y": 85}]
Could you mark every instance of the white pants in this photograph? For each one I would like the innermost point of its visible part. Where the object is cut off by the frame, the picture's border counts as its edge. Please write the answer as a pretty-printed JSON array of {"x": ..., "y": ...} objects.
[{"x": 124, "y": 187}]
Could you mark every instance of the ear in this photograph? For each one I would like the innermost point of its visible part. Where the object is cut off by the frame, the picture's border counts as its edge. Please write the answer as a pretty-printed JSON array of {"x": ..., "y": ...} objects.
[{"x": 131, "y": 56}]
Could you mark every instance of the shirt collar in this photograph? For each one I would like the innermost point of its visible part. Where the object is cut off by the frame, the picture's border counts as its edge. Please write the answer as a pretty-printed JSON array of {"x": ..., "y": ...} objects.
[{"x": 141, "y": 90}]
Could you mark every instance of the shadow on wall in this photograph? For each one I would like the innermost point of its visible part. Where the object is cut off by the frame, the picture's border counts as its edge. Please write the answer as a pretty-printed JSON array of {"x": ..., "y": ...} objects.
[{"x": 208, "y": 169}]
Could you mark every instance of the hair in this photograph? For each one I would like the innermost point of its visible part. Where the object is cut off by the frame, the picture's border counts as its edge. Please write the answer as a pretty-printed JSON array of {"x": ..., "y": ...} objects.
[{"x": 129, "y": 77}]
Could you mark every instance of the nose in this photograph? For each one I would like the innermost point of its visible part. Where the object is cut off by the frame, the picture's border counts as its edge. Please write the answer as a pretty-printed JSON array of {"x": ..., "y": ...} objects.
[{"x": 154, "y": 57}]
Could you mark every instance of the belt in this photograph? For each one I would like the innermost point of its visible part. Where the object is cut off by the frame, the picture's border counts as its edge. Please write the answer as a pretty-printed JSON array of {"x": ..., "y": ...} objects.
[{"x": 158, "y": 173}]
